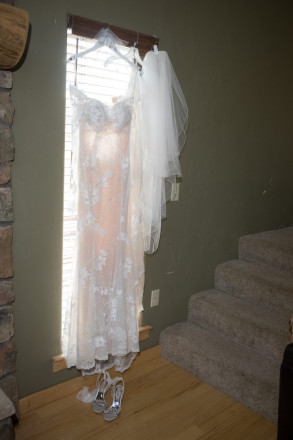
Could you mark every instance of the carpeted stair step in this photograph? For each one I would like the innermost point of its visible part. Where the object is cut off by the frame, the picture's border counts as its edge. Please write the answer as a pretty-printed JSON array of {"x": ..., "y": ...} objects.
[
  {"x": 271, "y": 248},
  {"x": 236, "y": 334},
  {"x": 233, "y": 369},
  {"x": 256, "y": 283},
  {"x": 242, "y": 322}
]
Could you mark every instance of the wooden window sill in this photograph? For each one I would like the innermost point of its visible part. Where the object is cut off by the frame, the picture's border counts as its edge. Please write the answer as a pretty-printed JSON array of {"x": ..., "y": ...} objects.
[{"x": 59, "y": 361}]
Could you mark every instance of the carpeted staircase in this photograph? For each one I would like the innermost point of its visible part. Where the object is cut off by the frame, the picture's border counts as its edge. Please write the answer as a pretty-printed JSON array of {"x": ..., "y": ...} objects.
[{"x": 235, "y": 334}]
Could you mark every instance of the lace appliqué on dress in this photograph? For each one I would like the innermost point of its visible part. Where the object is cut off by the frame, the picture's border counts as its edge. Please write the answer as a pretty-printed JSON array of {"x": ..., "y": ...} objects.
[{"x": 98, "y": 114}]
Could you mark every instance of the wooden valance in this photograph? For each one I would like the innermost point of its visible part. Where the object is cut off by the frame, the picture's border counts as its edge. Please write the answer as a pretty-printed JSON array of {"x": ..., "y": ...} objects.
[{"x": 84, "y": 27}]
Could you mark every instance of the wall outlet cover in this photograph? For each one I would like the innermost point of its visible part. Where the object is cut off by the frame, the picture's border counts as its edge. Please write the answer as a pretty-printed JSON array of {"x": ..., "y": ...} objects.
[{"x": 175, "y": 192}]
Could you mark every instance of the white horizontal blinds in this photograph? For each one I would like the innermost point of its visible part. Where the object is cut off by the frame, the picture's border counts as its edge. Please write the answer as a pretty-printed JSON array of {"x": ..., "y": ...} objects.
[{"x": 99, "y": 82}]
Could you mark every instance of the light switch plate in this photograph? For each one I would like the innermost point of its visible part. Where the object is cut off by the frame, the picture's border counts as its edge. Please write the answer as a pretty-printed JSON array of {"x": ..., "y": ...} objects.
[{"x": 155, "y": 297}]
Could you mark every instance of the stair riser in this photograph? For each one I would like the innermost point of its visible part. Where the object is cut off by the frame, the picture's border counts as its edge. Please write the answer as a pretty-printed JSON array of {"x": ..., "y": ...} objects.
[
  {"x": 241, "y": 331},
  {"x": 258, "y": 291},
  {"x": 259, "y": 252},
  {"x": 249, "y": 391}
]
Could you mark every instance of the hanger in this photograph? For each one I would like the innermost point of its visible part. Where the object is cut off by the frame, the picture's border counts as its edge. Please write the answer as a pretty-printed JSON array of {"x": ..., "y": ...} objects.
[
  {"x": 136, "y": 51},
  {"x": 155, "y": 46},
  {"x": 107, "y": 41},
  {"x": 133, "y": 52}
]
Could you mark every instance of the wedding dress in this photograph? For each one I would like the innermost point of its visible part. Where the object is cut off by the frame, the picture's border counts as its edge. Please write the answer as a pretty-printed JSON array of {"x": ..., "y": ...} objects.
[{"x": 125, "y": 157}]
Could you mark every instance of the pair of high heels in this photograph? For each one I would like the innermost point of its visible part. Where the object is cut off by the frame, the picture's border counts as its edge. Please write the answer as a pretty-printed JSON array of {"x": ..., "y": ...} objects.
[{"x": 99, "y": 405}]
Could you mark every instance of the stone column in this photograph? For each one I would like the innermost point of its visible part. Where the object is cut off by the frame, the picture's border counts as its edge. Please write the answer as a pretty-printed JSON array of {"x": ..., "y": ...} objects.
[{"x": 9, "y": 407}]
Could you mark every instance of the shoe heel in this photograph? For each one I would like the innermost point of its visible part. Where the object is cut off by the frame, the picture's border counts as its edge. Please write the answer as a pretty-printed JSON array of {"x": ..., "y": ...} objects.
[
  {"x": 99, "y": 405},
  {"x": 117, "y": 393}
]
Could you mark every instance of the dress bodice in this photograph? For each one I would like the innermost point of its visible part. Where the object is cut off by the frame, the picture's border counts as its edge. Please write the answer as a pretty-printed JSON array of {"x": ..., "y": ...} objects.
[{"x": 98, "y": 114}]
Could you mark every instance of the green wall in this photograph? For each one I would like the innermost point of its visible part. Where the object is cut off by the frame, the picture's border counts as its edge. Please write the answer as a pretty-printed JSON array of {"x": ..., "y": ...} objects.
[{"x": 233, "y": 59}]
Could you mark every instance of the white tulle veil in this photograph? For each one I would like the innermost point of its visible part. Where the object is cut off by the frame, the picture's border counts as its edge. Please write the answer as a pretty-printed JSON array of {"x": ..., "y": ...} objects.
[{"x": 164, "y": 116}]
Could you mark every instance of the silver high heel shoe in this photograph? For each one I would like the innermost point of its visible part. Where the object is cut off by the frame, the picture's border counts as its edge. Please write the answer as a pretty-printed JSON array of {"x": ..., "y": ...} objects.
[
  {"x": 103, "y": 384},
  {"x": 117, "y": 392}
]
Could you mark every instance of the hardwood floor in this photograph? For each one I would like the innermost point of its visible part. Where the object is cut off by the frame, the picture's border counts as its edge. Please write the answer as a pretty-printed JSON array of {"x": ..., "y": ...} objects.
[{"x": 161, "y": 402}]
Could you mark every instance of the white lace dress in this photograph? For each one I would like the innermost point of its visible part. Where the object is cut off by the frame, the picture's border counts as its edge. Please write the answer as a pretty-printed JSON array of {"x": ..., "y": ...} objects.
[{"x": 111, "y": 198}]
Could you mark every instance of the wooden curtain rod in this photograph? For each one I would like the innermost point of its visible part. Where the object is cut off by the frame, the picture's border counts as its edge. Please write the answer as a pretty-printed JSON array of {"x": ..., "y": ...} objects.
[{"x": 84, "y": 27}]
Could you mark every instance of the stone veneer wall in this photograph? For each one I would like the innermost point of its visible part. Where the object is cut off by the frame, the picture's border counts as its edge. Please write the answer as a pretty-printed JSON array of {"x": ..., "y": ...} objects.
[{"x": 8, "y": 385}]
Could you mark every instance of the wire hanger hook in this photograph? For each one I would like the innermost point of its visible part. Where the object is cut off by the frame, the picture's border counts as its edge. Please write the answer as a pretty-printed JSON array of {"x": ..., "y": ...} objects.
[{"x": 136, "y": 42}]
